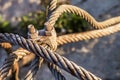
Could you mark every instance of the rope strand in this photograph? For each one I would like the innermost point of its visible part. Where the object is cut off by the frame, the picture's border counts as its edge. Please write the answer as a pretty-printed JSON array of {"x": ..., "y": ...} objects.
[
  {"x": 75, "y": 37},
  {"x": 78, "y": 11},
  {"x": 49, "y": 56}
]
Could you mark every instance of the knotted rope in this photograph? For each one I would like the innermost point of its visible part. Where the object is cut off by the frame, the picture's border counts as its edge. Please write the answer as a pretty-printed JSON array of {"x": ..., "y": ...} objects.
[
  {"x": 49, "y": 56},
  {"x": 39, "y": 38},
  {"x": 43, "y": 42}
]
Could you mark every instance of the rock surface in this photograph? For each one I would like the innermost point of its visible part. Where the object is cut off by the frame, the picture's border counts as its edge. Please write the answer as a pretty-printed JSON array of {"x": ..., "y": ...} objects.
[{"x": 99, "y": 56}]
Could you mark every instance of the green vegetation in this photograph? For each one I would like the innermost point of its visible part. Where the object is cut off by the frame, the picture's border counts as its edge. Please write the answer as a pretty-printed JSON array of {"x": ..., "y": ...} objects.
[
  {"x": 5, "y": 26},
  {"x": 69, "y": 22}
]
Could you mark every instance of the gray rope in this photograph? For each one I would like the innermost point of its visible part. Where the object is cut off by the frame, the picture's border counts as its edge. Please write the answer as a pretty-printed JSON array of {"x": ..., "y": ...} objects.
[
  {"x": 51, "y": 7},
  {"x": 56, "y": 72},
  {"x": 37, "y": 38},
  {"x": 4, "y": 70},
  {"x": 49, "y": 56},
  {"x": 36, "y": 63}
]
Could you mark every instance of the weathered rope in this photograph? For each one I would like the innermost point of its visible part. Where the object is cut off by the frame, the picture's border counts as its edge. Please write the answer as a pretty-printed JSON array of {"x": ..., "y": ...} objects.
[
  {"x": 56, "y": 72},
  {"x": 49, "y": 56},
  {"x": 87, "y": 35},
  {"x": 75, "y": 10},
  {"x": 7, "y": 65}
]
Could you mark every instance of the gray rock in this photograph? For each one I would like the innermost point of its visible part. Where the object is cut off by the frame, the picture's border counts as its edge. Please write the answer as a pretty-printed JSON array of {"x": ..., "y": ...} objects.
[{"x": 99, "y": 56}]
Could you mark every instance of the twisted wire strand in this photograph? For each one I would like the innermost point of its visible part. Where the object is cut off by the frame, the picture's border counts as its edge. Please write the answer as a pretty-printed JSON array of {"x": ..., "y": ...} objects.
[
  {"x": 78, "y": 11},
  {"x": 52, "y": 5},
  {"x": 36, "y": 63},
  {"x": 53, "y": 68},
  {"x": 49, "y": 56},
  {"x": 75, "y": 37},
  {"x": 37, "y": 38},
  {"x": 33, "y": 68},
  {"x": 20, "y": 53},
  {"x": 56, "y": 72},
  {"x": 4, "y": 70}
]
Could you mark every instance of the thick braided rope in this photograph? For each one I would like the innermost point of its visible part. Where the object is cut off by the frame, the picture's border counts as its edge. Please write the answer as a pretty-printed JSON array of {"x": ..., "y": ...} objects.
[
  {"x": 75, "y": 10},
  {"x": 34, "y": 36},
  {"x": 49, "y": 56},
  {"x": 7, "y": 65},
  {"x": 53, "y": 68},
  {"x": 36, "y": 64},
  {"x": 75, "y": 37},
  {"x": 56, "y": 72}
]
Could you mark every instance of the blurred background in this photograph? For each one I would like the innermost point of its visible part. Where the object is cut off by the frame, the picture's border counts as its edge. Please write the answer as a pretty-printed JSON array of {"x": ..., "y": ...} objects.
[{"x": 99, "y": 56}]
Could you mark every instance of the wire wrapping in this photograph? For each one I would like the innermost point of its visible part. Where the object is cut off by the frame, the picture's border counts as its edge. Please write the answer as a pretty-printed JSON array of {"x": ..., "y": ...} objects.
[
  {"x": 49, "y": 56},
  {"x": 56, "y": 72},
  {"x": 37, "y": 38},
  {"x": 75, "y": 10},
  {"x": 36, "y": 63},
  {"x": 87, "y": 35},
  {"x": 4, "y": 70},
  {"x": 52, "y": 5},
  {"x": 20, "y": 53}
]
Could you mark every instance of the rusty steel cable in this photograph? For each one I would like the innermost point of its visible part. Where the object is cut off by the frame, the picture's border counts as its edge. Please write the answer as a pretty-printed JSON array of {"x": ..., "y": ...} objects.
[
  {"x": 7, "y": 65},
  {"x": 78, "y": 11},
  {"x": 49, "y": 56},
  {"x": 75, "y": 37},
  {"x": 56, "y": 72}
]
